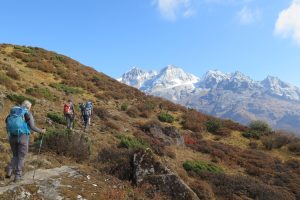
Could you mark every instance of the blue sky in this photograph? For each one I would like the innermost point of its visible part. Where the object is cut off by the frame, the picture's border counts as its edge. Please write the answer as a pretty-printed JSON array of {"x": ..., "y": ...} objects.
[{"x": 256, "y": 37}]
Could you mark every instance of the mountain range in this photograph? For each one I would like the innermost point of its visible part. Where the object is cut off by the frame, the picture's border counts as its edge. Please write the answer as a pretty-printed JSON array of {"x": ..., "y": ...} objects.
[{"x": 227, "y": 95}]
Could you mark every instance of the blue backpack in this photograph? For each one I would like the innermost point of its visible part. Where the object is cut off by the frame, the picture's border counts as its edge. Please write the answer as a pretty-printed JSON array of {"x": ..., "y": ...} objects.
[
  {"x": 89, "y": 106},
  {"x": 15, "y": 123}
]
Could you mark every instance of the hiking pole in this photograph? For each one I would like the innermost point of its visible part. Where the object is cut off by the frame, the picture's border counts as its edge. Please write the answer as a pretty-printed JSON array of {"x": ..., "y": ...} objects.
[{"x": 40, "y": 147}]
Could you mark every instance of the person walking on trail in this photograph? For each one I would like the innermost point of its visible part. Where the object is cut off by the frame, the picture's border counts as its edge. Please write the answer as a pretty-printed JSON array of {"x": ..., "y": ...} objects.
[
  {"x": 19, "y": 124},
  {"x": 69, "y": 113},
  {"x": 89, "y": 111}
]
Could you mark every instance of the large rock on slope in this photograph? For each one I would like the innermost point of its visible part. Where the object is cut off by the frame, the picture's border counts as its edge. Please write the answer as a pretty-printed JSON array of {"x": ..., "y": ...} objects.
[{"x": 147, "y": 169}]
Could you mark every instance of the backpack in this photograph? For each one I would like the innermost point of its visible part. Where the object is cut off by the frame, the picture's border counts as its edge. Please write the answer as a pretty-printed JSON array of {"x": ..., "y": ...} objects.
[
  {"x": 15, "y": 123},
  {"x": 67, "y": 109},
  {"x": 89, "y": 106}
]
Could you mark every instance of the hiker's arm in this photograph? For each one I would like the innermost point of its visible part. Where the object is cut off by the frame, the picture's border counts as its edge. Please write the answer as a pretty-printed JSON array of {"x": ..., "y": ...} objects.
[{"x": 30, "y": 121}]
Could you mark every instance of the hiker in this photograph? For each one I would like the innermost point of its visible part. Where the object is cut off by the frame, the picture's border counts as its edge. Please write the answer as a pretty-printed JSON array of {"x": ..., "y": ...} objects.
[
  {"x": 84, "y": 115},
  {"x": 81, "y": 107},
  {"x": 89, "y": 111},
  {"x": 19, "y": 124},
  {"x": 69, "y": 113}
]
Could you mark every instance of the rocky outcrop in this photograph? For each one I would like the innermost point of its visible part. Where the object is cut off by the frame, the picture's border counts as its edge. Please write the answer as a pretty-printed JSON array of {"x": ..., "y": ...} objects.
[{"x": 149, "y": 170}]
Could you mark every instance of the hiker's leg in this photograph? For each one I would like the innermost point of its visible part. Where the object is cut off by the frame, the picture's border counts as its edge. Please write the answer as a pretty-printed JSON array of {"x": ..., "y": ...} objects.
[
  {"x": 13, "y": 141},
  {"x": 90, "y": 113},
  {"x": 22, "y": 152},
  {"x": 71, "y": 122},
  {"x": 68, "y": 122}
]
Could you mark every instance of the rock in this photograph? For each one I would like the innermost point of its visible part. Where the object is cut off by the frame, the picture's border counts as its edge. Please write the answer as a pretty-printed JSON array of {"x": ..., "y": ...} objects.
[
  {"x": 173, "y": 132},
  {"x": 169, "y": 135},
  {"x": 148, "y": 170}
]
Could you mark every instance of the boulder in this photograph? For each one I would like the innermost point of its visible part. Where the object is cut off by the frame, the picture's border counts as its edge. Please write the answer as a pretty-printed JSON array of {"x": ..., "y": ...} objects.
[{"x": 149, "y": 170}]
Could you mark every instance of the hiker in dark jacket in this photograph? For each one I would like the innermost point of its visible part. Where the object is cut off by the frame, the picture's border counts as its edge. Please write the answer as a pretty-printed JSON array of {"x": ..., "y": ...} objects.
[
  {"x": 69, "y": 113},
  {"x": 19, "y": 139}
]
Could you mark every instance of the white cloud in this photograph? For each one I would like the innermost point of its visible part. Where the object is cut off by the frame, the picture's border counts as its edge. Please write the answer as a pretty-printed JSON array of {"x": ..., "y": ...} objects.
[
  {"x": 172, "y": 9},
  {"x": 248, "y": 16},
  {"x": 288, "y": 22}
]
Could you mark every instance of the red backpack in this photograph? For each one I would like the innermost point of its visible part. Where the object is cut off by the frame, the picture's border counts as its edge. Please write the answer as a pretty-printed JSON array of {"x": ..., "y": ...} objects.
[{"x": 67, "y": 109}]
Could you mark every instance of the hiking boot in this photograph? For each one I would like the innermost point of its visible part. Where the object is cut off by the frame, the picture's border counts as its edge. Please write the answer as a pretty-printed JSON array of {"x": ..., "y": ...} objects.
[
  {"x": 8, "y": 174},
  {"x": 18, "y": 179}
]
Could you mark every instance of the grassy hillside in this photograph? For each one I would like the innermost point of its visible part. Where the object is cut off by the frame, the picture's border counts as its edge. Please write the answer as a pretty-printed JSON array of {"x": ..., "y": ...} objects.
[{"x": 217, "y": 159}]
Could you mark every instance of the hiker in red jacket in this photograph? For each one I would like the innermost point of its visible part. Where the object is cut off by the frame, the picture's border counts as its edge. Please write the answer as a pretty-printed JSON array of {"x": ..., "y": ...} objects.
[{"x": 69, "y": 113}]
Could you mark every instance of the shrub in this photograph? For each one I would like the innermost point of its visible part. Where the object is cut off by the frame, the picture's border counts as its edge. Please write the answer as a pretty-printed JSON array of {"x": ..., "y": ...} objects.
[
  {"x": 260, "y": 126},
  {"x": 157, "y": 144},
  {"x": 67, "y": 89},
  {"x": 57, "y": 118},
  {"x": 189, "y": 140},
  {"x": 133, "y": 112},
  {"x": 132, "y": 143},
  {"x": 112, "y": 124},
  {"x": 20, "y": 98},
  {"x": 253, "y": 145},
  {"x": 165, "y": 117},
  {"x": 117, "y": 162},
  {"x": 203, "y": 190},
  {"x": 213, "y": 125},
  {"x": 11, "y": 72},
  {"x": 101, "y": 112},
  {"x": 252, "y": 134},
  {"x": 4, "y": 80},
  {"x": 194, "y": 121},
  {"x": 201, "y": 166},
  {"x": 294, "y": 147},
  {"x": 243, "y": 187},
  {"x": 234, "y": 125},
  {"x": 223, "y": 131},
  {"x": 275, "y": 141},
  {"x": 124, "y": 107},
  {"x": 40, "y": 93},
  {"x": 67, "y": 143}
]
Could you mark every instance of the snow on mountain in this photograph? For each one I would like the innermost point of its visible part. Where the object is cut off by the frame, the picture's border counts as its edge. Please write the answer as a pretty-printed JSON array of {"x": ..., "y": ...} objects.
[
  {"x": 136, "y": 77},
  {"x": 168, "y": 77},
  {"x": 227, "y": 95},
  {"x": 275, "y": 86}
]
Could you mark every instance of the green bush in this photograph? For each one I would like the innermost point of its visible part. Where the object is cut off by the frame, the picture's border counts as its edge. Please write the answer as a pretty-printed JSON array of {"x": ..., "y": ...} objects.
[
  {"x": 132, "y": 142},
  {"x": 165, "y": 117},
  {"x": 260, "y": 126},
  {"x": 201, "y": 166},
  {"x": 57, "y": 118},
  {"x": 124, "y": 107},
  {"x": 20, "y": 98},
  {"x": 67, "y": 89},
  {"x": 252, "y": 134},
  {"x": 213, "y": 125},
  {"x": 40, "y": 93}
]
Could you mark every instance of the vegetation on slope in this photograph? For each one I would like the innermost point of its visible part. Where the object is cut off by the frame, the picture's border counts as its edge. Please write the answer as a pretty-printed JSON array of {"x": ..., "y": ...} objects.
[{"x": 262, "y": 166}]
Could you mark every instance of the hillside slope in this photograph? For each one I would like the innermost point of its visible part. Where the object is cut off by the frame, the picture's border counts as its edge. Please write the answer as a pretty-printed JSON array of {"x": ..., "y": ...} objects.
[{"x": 139, "y": 146}]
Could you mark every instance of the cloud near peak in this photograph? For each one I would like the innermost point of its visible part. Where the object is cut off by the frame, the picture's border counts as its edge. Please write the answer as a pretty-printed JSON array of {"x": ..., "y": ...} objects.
[
  {"x": 288, "y": 22},
  {"x": 173, "y": 9}
]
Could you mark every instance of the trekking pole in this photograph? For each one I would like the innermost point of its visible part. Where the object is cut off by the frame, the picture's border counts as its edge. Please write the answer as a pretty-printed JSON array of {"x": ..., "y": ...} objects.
[{"x": 40, "y": 147}]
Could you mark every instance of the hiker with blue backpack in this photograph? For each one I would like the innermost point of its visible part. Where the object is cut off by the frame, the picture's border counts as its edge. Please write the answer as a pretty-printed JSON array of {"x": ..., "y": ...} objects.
[
  {"x": 19, "y": 124},
  {"x": 86, "y": 113}
]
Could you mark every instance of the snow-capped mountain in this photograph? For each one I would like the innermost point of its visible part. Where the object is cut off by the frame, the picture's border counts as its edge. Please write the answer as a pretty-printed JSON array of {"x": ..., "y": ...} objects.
[{"x": 228, "y": 95}]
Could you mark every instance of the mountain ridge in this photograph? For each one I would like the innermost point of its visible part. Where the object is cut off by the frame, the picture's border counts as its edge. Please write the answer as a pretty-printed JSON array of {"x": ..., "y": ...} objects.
[{"x": 235, "y": 87}]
